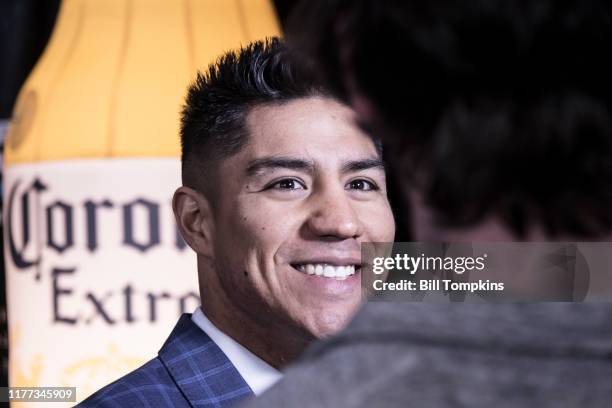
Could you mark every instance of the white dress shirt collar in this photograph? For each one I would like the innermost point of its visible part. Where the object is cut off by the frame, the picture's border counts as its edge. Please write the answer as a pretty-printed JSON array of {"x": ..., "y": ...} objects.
[{"x": 258, "y": 374}]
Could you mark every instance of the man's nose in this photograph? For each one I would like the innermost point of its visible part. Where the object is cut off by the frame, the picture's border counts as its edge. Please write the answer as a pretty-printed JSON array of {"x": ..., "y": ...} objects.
[{"x": 334, "y": 216}]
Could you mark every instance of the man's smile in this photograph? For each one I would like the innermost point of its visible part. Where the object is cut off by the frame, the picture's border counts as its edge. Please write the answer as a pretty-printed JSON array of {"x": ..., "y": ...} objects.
[
  {"x": 334, "y": 266},
  {"x": 339, "y": 272}
]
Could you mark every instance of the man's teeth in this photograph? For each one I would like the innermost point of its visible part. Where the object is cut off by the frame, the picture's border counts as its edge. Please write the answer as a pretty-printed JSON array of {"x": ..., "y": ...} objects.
[{"x": 328, "y": 271}]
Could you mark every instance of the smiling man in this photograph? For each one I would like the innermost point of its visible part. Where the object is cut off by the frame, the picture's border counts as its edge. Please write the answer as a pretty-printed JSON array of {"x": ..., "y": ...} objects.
[{"x": 280, "y": 187}]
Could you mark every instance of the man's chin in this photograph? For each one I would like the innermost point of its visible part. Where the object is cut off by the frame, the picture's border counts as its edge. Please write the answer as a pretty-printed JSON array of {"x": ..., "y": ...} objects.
[{"x": 329, "y": 323}]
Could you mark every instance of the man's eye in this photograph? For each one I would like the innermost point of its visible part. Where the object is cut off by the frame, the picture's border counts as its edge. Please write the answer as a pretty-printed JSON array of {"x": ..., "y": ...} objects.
[
  {"x": 361, "y": 184},
  {"x": 287, "y": 184}
]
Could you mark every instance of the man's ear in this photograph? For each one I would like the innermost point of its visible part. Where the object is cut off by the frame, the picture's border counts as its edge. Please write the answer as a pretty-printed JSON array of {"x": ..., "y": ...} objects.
[{"x": 192, "y": 212}]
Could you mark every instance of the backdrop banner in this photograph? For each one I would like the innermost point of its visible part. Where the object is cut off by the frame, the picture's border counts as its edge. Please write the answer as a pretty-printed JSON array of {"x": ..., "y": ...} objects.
[
  {"x": 96, "y": 270},
  {"x": 97, "y": 274}
]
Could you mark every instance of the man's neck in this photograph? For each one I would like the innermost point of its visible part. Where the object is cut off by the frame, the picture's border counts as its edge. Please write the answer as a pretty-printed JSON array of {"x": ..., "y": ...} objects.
[{"x": 278, "y": 344}]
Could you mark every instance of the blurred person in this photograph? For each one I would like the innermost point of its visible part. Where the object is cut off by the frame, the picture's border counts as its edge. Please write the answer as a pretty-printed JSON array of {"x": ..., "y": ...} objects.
[
  {"x": 280, "y": 186},
  {"x": 497, "y": 117}
]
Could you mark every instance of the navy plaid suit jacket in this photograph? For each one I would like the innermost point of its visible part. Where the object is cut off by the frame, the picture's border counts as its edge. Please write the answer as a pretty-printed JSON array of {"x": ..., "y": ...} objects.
[{"x": 189, "y": 371}]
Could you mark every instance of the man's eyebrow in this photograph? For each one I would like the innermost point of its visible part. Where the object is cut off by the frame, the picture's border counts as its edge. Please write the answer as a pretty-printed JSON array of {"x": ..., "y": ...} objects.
[
  {"x": 283, "y": 162},
  {"x": 363, "y": 164}
]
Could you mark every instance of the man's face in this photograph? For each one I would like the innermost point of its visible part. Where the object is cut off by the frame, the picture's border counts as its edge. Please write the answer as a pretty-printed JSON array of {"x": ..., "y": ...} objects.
[{"x": 293, "y": 207}]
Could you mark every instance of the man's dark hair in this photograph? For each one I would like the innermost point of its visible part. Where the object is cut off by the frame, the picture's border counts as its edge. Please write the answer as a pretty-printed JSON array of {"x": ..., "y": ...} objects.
[
  {"x": 213, "y": 123},
  {"x": 494, "y": 107}
]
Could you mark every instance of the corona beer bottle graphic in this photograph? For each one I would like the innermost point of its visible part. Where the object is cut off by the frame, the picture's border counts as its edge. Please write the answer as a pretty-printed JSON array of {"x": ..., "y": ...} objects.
[{"x": 97, "y": 274}]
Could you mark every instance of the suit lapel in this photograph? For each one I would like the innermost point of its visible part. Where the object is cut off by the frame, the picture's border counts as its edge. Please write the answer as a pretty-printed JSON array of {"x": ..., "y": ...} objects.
[{"x": 200, "y": 369}]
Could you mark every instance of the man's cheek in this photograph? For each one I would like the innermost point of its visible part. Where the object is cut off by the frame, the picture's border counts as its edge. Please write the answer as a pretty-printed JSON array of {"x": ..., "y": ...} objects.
[{"x": 379, "y": 225}]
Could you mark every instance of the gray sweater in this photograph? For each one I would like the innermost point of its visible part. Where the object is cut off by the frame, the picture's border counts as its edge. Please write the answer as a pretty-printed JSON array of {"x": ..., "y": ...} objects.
[{"x": 457, "y": 355}]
